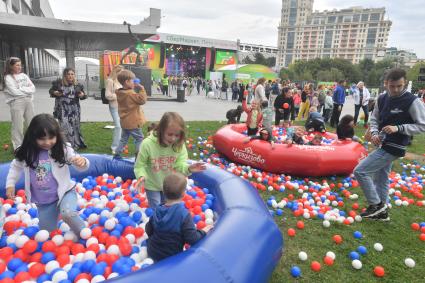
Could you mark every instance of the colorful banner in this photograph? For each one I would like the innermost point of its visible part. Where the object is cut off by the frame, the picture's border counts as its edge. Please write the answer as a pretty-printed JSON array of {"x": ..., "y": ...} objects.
[{"x": 225, "y": 57}]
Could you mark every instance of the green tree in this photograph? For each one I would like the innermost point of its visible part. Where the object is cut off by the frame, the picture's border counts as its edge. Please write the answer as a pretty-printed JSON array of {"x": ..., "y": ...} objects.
[
  {"x": 260, "y": 59},
  {"x": 413, "y": 75}
]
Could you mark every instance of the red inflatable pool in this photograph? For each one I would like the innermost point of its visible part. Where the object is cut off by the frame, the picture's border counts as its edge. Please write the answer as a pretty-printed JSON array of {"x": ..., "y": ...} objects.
[{"x": 339, "y": 158}]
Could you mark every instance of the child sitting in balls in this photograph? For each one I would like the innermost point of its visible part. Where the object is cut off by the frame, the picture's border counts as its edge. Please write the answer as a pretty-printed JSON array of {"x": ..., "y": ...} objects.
[
  {"x": 264, "y": 134},
  {"x": 317, "y": 140},
  {"x": 295, "y": 135},
  {"x": 345, "y": 129},
  {"x": 315, "y": 121},
  {"x": 171, "y": 225}
]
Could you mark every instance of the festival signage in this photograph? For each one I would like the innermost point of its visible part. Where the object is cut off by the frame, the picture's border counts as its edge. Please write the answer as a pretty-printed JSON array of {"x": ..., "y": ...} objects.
[{"x": 193, "y": 41}]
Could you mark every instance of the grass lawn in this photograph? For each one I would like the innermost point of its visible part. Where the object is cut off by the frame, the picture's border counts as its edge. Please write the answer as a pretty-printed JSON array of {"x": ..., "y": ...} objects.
[{"x": 398, "y": 239}]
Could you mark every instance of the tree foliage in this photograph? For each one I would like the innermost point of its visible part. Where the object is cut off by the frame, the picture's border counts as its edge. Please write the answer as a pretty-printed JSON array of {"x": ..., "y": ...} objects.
[
  {"x": 327, "y": 69},
  {"x": 260, "y": 59}
]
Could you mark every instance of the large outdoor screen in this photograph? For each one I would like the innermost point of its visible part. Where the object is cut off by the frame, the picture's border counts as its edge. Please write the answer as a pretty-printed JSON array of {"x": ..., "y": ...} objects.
[{"x": 225, "y": 58}]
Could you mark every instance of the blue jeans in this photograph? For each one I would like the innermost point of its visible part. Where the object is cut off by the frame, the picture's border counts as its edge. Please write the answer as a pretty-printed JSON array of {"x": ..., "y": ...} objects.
[
  {"x": 372, "y": 174},
  {"x": 117, "y": 130},
  {"x": 67, "y": 208},
  {"x": 137, "y": 135},
  {"x": 155, "y": 198}
]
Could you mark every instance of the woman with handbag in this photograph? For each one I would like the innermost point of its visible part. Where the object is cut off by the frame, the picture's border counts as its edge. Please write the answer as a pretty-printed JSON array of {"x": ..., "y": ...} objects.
[{"x": 68, "y": 93}]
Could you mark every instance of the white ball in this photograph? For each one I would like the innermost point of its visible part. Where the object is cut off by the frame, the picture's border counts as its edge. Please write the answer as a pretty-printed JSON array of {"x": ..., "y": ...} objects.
[
  {"x": 409, "y": 262},
  {"x": 93, "y": 217},
  {"x": 89, "y": 255},
  {"x": 85, "y": 233},
  {"x": 79, "y": 257},
  {"x": 398, "y": 202},
  {"x": 41, "y": 236},
  {"x": 58, "y": 240},
  {"x": 302, "y": 256},
  {"x": 59, "y": 276},
  {"x": 91, "y": 241},
  {"x": 51, "y": 265},
  {"x": 209, "y": 213},
  {"x": 110, "y": 224},
  {"x": 306, "y": 215},
  {"x": 147, "y": 261},
  {"x": 12, "y": 239},
  {"x": 21, "y": 240},
  {"x": 209, "y": 221},
  {"x": 378, "y": 247},
  {"x": 97, "y": 278},
  {"x": 358, "y": 218},
  {"x": 331, "y": 255},
  {"x": 70, "y": 236},
  {"x": 143, "y": 253},
  {"x": 357, "y": 264},
  {"x": 326, "y": 223},
  {"x": 67, "y": 267},
  {"x": 64, "y": 227},
  {"x": 84, "y": 280},
  {"x": 113, "y": 275},
  {"x": 131, "y": 238},
  {"x": 113, "y": 249}
]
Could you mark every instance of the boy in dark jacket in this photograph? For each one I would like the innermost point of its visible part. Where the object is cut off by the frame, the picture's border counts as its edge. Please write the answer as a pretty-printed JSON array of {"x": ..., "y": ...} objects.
[
  {"x": 171, "y": 226},
  {"x": 233, "y": 116}
]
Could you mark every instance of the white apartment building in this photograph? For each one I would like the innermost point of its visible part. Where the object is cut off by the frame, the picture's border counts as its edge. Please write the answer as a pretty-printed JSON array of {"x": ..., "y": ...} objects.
[{"x": 353, "y": 34}]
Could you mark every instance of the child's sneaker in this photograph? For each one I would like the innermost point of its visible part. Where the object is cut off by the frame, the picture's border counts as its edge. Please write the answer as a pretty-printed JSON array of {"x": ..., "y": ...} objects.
[
  {"x": 383, "y": 216},
  {"x": 373, "y": 210}
]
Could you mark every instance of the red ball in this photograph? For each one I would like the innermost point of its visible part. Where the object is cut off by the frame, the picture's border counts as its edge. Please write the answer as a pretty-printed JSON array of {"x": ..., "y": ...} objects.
[
  {"x": 63, "y": 259},
  {"x": 285, "y": 105},
  {"x": 125, "y": 249},
  {"x": 300, "y": 225},
  {"x": 379, "y": 271},
  {"x": 48, "y": 246},
  {"x": 315, "y": 266},
  {"x": 22, "y": 276},
  {"x": 5, "y": 252},
  {"x": 36, "y": 269},
  {"x": 415, "y": 226},
  {"x": 422, "y": 237},
  {"x": 328, "y": 260},
  {"x": 83, "y": 276},
  {"x": 291, "y": 232},
  {"x": 2, "y": 267},
  {"x": 200, "y": 225},
  {"x": 30, "y": 246},
  {"x": 77, "y": 248},
  {"x": 337, "y": 239}
]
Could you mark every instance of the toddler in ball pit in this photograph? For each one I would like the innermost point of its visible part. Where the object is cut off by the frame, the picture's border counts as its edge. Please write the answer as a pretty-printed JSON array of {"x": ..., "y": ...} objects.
[
  {"x": 171, "y": 225},
  {"x": 295, "y": 135}
]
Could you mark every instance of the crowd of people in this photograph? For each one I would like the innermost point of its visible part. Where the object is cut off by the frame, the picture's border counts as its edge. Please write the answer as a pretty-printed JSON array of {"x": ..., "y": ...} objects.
[{"x": 47, "y": 149}]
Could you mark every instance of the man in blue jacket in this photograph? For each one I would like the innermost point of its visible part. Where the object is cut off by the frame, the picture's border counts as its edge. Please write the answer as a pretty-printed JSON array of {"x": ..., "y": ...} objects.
[
  {"x": 339, "y": 100},
  {"x": 398, "y": 114}
]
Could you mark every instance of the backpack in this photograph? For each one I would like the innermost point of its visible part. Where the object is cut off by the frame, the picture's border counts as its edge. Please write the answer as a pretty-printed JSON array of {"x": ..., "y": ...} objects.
[{"x": 103, "y": 97}]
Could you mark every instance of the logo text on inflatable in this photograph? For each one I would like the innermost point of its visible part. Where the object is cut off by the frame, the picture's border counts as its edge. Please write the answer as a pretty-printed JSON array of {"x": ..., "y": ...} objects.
[
  {"x": 315, "y": 147},
  {"x": 248, "y": 155}
]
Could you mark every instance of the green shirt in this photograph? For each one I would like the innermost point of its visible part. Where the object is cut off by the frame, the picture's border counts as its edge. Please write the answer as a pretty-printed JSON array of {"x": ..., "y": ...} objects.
[
  {"x": 155, "y": 162},
  {"x": 164, "y": 81}
]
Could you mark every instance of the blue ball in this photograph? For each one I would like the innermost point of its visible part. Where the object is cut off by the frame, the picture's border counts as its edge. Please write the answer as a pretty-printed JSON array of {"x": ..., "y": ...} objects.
[
  {"x": 137, "y": 216},
  {"x": 88, "y": 265},
  {"x": 279, "y": 212},
  {"x": 197, "y": 218},
  {"x": 49, "y": 256},
  {"x": 73, "y": 272},
  {"x": 43, "y": 278},
  {"x": 14, "y": 264},
  {"x": 357, "y": 235},
  {"x": 295, "y": 271},
  {"x": 362, "y": 250},
  {"x": 7, "y": 274},
  {"x": 149, "y": 212},
  {"x": 98, "y": 269},
  {"x": 33, "y": 212},
  {"x": 12, "y": 210},
  {"x": 354, "y": 255},
  {"x": 31, "y": 231}
]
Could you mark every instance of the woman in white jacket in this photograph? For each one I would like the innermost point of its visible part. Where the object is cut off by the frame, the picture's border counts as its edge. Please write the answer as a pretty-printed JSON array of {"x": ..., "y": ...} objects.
[
  {"x": 361, "y": 100},
  {"x": 19, "y": 90},
  {"x": 112, "y": 84}
]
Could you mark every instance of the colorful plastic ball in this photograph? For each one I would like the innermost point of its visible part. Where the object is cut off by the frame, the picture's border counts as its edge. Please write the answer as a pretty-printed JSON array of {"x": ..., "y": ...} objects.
[
  {"x": 415, "y": 226},
  {"x": 315, "y": 266},
  {"x": 60, "y": 275},
  {"x": 41, "y": 236},
  {"x": 422, "y": 237},
  {"x": 357, "y": 235},
  {"x": 85, "y": 233},
  {"x": 354, "y": 255},
  {"x": 291, "y": 232},
  {"x": 285, "y": 105},
  {"x": 51, "y": 265},
  {"x": 14, "y": 264},
  {"x": 378, "y": 247},
  {"x": 328, "y": 260},
  {"x": 295, "y": 271},
  {"x": 300, "y": 225},
  {"x": 362, "y": 250},
  {"x": 379, "y": 271},
  {"x": 30, "y": 246},
  {"x": 337, "y": 239},
  {"x": 409, "y": 262},
  {"x": 36, "y": 270},
  {"x": 326, "y": 223},
  {"x": 357, "y": 264},
  {"x": 331, "y": 255},
  {"x": 302, "y": 256}
]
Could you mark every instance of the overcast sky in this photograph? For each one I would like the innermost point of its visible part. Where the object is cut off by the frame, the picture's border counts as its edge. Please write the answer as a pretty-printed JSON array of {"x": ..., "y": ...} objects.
[{"x": 252, "y": 21}]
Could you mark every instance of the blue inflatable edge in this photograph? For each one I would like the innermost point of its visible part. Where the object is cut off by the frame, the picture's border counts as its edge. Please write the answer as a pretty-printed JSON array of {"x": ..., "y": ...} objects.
[{"x": 245, "y": 244}]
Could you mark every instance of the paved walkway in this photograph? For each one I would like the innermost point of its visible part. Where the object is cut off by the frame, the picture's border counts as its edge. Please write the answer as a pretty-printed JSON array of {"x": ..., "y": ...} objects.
[{"x": 197, "y": 107}]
